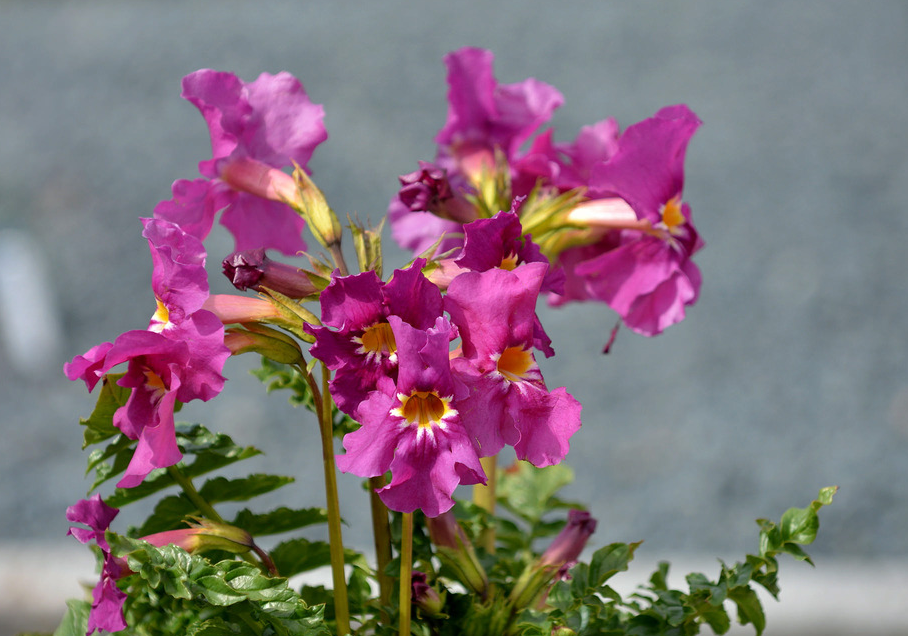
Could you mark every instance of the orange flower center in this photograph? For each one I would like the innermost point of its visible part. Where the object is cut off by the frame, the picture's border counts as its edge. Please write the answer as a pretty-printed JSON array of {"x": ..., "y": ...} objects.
[
  {"x": 423, "y": 408},
  {"x": 514, "y": 363},
  {"x": 509, "y": 262},
  {"x": 161, "y": 317},
  {"x": 379, "y": 340},
  {"x": 671, "y": 214}
]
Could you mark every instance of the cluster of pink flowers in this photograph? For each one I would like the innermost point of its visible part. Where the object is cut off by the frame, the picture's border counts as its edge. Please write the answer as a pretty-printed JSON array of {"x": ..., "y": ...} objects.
[
  {"x": 428, "y": 412},
  {"x": 437, "y": 363},
  {"x": 626, "y": 239}
]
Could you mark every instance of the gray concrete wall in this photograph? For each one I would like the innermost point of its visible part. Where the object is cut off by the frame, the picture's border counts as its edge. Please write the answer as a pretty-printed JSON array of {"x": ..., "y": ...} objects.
[{"x": 789, "y": 374}]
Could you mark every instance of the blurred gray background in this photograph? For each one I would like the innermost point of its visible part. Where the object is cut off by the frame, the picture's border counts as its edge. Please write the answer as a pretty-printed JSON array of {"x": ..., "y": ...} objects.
[{"x": 787, "y": 376}]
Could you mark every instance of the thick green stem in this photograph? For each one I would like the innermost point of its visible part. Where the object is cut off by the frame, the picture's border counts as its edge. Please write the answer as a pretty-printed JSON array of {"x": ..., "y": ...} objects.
[
  {"x": 335, "y": 541},
  {"x": 484, "y": 497},
  {"x": 381, "y": 534},
  {"x": 406, "y": 572}
]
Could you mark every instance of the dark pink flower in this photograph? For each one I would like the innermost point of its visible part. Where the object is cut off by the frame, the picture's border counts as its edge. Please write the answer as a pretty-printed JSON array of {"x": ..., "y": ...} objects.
[
  {"x": 256, "y": 129},
  {"x": 179, "y": 357},
  {"x": 411, "y": 427},
  {"x": 484, "y": 118},
  {"x": 356, "y": 339},
  {"x": 507, "y": 402},
  {"x": 107, "y": 599}
]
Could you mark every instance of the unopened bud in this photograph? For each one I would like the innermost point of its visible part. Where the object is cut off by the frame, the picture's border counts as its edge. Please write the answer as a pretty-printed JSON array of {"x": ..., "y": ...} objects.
[
  {"x": 260, "y": 179},
  {"x": 323, "y": 223},
  {"x": 267, "y": 342},
  {"x": 252, "y": 269},
  {"x": 454, "y": 549},
  {"x": 232, "y": 309},
  {"x": 537, "y": 578},
  {"x": 425, "y": 597},
  {"x": 203, "y": 535}
]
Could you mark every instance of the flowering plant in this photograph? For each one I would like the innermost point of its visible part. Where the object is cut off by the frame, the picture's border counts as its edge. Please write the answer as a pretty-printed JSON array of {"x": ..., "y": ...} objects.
[{"x": 425, "y": 375}]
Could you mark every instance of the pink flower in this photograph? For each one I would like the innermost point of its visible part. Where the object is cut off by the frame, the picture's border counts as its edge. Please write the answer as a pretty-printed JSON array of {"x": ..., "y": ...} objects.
[
  {"x": 484, "y": 118},
  {"x": 107, "y": 599},
  {"x": 179, "y": 356},
  {"x": 256, "y": 129},
  {"x": 507, "y": 402},
  {"x": 411, "y": 427},
  {"x": 644, "y": 269},
  {"x": 357, "y": 341}
]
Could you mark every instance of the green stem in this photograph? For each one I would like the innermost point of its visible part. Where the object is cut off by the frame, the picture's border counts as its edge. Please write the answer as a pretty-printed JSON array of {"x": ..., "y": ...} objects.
[
  {"x": 335, "y": 541},
  {"x": 406, "y": 573},
  {"x": 381, "y": 534},
  {"x": 189, "y": 490},
  {"x": 208, "y": 511},
  {"x": 484, "y": 497}
]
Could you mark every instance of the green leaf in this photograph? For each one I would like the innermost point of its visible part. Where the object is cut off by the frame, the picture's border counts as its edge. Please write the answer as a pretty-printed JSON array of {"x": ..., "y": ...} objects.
[
  {"x": 168, "y": 514},
  {"x": 609, "y": 560},
  {"x": 279, "y": 520},
  {"x": 750, "y": 610},
  {"x": 75, "y": 620},
  {"x": 121, "y": 449},
  {"x": 99, "y": 425},
  {"x": 526, "y": 490},
  {"x": 799, "y": 525},
  {"x": 300, "y": 555},
  {"x": 223, "y": 489},
  {"x": 212, "y": 451}
]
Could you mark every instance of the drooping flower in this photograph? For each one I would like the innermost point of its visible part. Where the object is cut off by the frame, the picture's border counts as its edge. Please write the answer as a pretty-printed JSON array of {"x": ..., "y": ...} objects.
[
  {"x": 411, "y": 427},
  {"x": 256, "y": 129},
  {"x": 179, "y": 357},
  {"x": 643, "y": 270},
  {"x": 356, "y": 340},
  {"x": 508, "y": 401}
]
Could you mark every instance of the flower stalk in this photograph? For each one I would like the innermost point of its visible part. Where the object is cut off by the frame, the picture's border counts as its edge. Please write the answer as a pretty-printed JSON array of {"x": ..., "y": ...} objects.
[{"x": 406, "y": 573}]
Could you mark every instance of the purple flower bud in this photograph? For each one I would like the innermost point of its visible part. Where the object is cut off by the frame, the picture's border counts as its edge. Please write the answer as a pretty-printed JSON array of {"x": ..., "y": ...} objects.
[
  {"x": 251, "y": 269},
  {"x": 569, "y": 543},
  {"x": 425, "y": 189},
  {"x": 423, "y": 596}
]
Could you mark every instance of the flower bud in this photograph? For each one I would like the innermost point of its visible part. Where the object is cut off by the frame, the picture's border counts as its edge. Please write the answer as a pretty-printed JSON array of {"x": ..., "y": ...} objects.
[
  {"x": 248, "y": 175},
  {"x": 231, "y": 309},
  {"x": 456, "y": 551},
  {"x": 203, "y": 535},
  {"x": 323, "y": 222},
  {"x": 534, "y": 582},
  {"x": 252, "y": 269},
  {"x": 425, "y": 597},
  {"x": 270, "y": 343}
]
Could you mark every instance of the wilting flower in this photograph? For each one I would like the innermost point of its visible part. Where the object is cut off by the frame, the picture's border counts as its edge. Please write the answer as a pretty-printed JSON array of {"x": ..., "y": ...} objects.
[
  {"x": 508, "y": 402},
  {"x": 179, "y": 356},
  {"x": 411, "y": 427},
  {"x": 256, "y": 129},
  {"x": 357, "y": 341}
]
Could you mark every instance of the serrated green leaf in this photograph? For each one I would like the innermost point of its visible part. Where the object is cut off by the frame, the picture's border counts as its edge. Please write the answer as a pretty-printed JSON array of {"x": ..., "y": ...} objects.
[
  {"x": 121, "y": 449},
  {"x": 279, "y": 520},
  {"x": 300, "y": 555},
  {"x": 213, "y": 627},
  {"x": 168, "y": 514},
  {"x": 99, "y": 425},
  {"x": 243, "y": 489}
]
